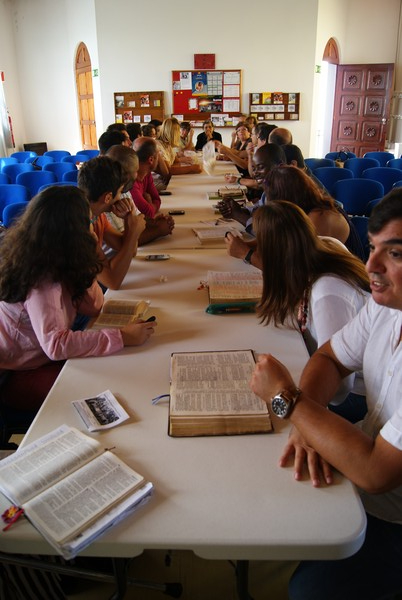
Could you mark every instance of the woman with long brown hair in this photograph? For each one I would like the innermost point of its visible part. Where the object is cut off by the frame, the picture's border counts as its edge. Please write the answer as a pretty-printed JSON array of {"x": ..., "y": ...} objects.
[
  {"x": 310, "y": 283},
  {"x": 290, "y": 183}
]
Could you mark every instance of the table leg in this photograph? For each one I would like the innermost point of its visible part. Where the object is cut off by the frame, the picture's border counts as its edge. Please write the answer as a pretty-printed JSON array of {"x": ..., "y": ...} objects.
[
  {"x": 242, "y": 580},
  {"x": 120, "y": 576}
]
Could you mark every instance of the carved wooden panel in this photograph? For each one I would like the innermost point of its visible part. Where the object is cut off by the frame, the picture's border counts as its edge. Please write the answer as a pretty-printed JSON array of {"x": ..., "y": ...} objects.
[{"x": 361, "y": 107}]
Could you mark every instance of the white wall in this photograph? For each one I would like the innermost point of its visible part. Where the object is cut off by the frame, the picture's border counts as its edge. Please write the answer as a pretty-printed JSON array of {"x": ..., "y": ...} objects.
[{"x": 136, "y": 45}]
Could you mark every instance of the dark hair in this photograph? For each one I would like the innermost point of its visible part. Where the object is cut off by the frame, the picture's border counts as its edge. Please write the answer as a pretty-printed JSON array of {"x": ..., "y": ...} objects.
[
  {"x": 134, "y": 130},
  {"x": 145, "y": 148},
  {"x": 243, "y": 124},
  {"x": 294, "y": 257},
  {"x": 291, "y": 183},
  {"x": 51, "y": 241},
  {"x": 155, "y": 122},
  {"x": 99, "y": 176},
  {"x": 126, "y": 157},
  {"x": 389, "y": 209},
  {"x": 185, "y": 125},
  {"x": 293, "y": 152},
  {"x": 117, "y": 127},
  {"x": 271, "y": 155},
  {"x": 262, "y": 131},
  {"x": 110, "y": 138},
  {"x": 147, "y": 130}
]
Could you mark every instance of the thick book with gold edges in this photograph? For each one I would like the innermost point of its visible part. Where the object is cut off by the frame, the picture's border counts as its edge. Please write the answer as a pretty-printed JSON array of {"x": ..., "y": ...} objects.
[
  {"x": 119, "y": 313},
  {"x": 234, "y": 287},
  {"x": 210, "y": 394}
]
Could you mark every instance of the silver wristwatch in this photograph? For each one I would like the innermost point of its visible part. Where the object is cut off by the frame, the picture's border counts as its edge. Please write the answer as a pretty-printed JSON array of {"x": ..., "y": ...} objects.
[{"x": 283, "y": 403}]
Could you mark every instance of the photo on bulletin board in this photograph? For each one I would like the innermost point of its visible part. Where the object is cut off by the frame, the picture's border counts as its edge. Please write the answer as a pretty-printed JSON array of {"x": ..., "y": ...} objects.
[
  {"x": 119, "y": 101},
  {"x": 255, "y": 98},
  {"x": 144, "y": 100},
  {"x": 210, "y": 104},
  {"x": 128, "y": 116},
  {"x": 200, "y": 84},
  {"x": 277, "y": 97},
  {"x": 266, "y": 98},
  {"x": 292, "y": 98}
]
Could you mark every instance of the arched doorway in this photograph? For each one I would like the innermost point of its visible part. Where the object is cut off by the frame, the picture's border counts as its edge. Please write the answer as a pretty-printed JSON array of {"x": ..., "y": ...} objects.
[{"x": 83, "y": 77}]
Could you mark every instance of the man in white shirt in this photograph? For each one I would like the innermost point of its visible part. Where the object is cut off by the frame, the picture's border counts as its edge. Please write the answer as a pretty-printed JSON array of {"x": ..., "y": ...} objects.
[{"x": 370, "y": 456}]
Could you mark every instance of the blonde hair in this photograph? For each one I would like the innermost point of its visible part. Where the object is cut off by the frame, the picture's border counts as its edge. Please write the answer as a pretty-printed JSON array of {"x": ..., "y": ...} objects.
[{"x": 170, "y": 132}]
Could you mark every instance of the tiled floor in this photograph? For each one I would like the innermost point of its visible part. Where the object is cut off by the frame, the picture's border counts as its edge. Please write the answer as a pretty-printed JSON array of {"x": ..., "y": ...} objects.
[{"x": 201, "y": 579}]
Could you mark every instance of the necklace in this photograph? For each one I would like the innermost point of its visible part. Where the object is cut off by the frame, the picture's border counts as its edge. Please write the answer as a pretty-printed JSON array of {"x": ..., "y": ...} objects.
[{"x": 302, "y": 313}]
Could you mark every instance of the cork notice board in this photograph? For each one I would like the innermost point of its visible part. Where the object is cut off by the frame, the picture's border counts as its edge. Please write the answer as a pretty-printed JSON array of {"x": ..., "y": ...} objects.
[
  {"x": 207, "y": 94},
  {"x": 275, "y": 106},
  {"x": 138, "y": 107}
]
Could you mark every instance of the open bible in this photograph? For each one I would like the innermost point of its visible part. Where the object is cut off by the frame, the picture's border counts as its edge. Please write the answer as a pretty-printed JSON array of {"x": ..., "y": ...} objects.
[
  {"x": 233, "y": 290},
  {"x": 70, "y": 488},
  {"x": 210, "y": 395},
  {"x": 118, "y": 313}
]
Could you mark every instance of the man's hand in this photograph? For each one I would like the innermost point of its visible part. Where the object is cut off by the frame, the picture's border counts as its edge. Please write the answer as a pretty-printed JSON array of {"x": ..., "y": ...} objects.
[
  {"x": 230, "y": 209},
  {"x": 122, "y": 207}
]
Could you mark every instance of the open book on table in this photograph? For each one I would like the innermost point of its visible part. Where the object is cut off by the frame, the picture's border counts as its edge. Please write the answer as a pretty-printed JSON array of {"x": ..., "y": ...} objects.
[
  {"x": 231, "y": 291},
  {"x": 118, "y": 313},
  {"x": 210, "y": 395},
  {"x": 70, "y": 488}
]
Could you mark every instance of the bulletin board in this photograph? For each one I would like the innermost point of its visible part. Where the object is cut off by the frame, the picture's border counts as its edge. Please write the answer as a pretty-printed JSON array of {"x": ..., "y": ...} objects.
[
  {"x": 207, "y": 94},
  {"x": 275, "y": 106},
  {"x": 138, "y": 107}
]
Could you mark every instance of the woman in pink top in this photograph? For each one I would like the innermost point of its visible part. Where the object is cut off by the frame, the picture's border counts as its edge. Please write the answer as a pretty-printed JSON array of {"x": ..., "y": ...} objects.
[{"x": 48, "y": 269}]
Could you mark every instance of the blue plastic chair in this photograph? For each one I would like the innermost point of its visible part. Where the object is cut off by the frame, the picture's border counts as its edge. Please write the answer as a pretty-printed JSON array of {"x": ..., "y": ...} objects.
[
  {"x": 57, "y": 155},
  {"x": 11, "y": 212},
  {"x": 40, "y": 161},
  {"x": 75, "y": 158},
  {"x": 59, "y": 168},
  {"x": 382, "y": 156},
  {"x": 395, "y": 163},
  {"x": 35, "y": 179},
  {"x": 10, "y": 193},
  {"x": 70, "y": 176},
  {"x": 371, "y": 205},
  {"x": 386, "y": 175},
  {"x": 90, "y": 153},
  {"x": 4, "y": 178},
  {"x": 316, "y": 163},
  {"x": 398, "y": 183},
  {"x": 22, "y": 156},
  {"x": 358, "y": 165},
  {"x": 7, "y": 160},
  {"x": 361, "y": 225},
  {"x": 354, "y": 194},
  {"x": 14, "y": 170},
  {"x": 57, "y": 183},
  {"x": 342, "y": 154},
  {"x": 329, "y": 176}
]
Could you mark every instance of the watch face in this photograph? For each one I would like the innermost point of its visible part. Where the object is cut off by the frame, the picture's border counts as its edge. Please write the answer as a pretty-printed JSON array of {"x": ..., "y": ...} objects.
[{"x": 280, "y": 406}]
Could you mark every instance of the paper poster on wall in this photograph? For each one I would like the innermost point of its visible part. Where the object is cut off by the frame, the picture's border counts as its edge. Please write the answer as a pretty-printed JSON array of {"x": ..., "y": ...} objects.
[
  {"x": 128, "y": 116},
  {"x": 185, "y": 80},
  {"x": 266, "y": 98},
  {"x": 210, "y": 104},
  {"x": 144, "y": 100},
  {"x": 214, "y": 82},
  {"x": 193, "y": 104},
  {"x": 231, "y": 91},
  {"x": 231, "y": 77},
  {"x": 137, "y": 119},
  {"x": 231, "y": 105},
  {"x": 119, "y": 101},
  {"x": 200, "y": 84}
]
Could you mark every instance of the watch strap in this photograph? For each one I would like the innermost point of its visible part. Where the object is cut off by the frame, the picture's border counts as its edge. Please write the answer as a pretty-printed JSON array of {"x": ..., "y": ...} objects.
[{"x": 247, "y": 258}]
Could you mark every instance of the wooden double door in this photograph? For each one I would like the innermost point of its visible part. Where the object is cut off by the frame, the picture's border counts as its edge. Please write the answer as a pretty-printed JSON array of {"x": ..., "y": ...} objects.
[{"x": 361, "y": 107}]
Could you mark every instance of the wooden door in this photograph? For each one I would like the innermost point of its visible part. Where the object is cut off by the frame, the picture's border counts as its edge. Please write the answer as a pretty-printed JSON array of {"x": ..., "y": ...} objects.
[
  {"x": 83, "y": 75},
  {"x": 361, "y": 107}
]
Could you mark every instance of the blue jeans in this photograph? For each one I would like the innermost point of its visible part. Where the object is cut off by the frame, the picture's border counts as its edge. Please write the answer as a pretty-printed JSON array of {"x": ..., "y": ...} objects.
[{"x": 373, "y": 573}]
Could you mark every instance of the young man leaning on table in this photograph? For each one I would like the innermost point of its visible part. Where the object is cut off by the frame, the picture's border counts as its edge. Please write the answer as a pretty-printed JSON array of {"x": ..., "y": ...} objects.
[{"x": 369, "y": 455}]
